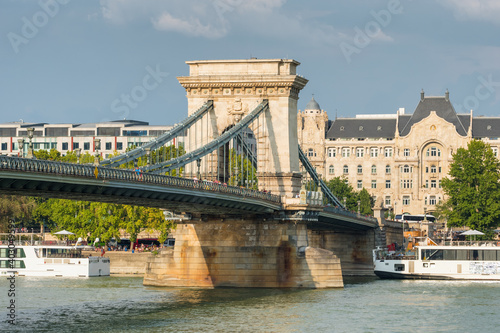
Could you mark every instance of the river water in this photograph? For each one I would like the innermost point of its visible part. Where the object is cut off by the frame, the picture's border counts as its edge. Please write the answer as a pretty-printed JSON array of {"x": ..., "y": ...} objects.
[{"x": 123, "y": 304}]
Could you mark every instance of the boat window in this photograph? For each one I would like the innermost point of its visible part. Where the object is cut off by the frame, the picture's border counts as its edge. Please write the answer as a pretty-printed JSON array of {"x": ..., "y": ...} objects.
[
  {"x": 450, "y": 254},
  {"x": 62, "y": 253},
  {"x": 399, "y": 267},
  {"x": 490, "y": 255},
  {"x": 462, "y": 255},
  {"x": 432, "y": 254},
  {"x": 4, "y": 253},
  {"x": 17, "y": 264}
]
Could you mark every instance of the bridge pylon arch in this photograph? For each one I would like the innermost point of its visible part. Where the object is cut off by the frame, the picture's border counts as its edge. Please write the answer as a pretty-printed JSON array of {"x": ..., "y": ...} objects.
[{"x": 237, "y": 87}]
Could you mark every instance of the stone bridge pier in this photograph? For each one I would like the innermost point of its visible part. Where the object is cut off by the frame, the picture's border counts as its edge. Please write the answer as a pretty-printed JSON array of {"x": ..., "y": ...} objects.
[{"x": 257, "y": 252}]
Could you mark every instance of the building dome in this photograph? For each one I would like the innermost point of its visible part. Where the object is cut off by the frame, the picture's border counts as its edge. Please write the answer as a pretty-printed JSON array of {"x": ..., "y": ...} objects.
[{"x": 312, "y": 105}]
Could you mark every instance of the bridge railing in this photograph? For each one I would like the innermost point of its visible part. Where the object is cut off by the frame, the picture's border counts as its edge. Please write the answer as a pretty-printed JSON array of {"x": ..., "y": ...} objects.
[
  {"x": 344, "y": 212},
  {"x": 104, "y": 173}
]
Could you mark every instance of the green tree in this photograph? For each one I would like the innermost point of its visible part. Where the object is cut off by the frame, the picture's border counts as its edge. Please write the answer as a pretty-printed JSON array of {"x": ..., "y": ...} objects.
[
  {"x": 473, "y": 188},
  {"x": 19, "y": 208},
  {"x": 366, "y": 202},
  {"x": 341, "y": 188}
]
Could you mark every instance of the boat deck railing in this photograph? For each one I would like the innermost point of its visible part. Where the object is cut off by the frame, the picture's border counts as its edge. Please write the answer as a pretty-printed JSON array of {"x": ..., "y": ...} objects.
[{"x": 470, "y": 243}]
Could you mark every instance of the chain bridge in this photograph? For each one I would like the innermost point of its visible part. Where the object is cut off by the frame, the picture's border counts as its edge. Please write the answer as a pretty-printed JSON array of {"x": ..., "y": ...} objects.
[{"x": 235, "y": 172}]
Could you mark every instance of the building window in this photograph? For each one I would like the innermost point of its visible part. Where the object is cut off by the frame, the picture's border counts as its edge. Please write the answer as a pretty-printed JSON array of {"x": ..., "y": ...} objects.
[
  {"x": 433, "y": 169},
  {"x": 439, "y": 169},
  {"x": 119, "y": 146},
  {"x": 495, "y": 151},
  {"x": 433, "y": 184},
  {"x": 360, "y": 184},
  {"x": 346, "y": 169},
  {"x": 433, "y": 152},
  {"x": 4, "y": 145},
  {"x": 388, "y": 152},
  {"x": 360, "y": 169},
  {"x": 406, "y": 200},
  {"x": 76, "y": 145},
  {"x": 346, "y": 152},
  {"x": 388, "y": 169},
  {"x": 373, "y": 152},
  {"x": 332, "y": 152},
  {"x": 406, "y": 169},
  {"x": 360, "y": 152},
  {"x": 311, "y": 153},
  {"x": 387, "y": 201},
  {"x": 86, "y": 146},
  {"x": 331, "y": 170},
  {"x": 374, "y": 183},
  {"x": 432, "y": 200},
  {"x": 426, "y": 183},
  {"x": 108, "y": 145},
  {"x": 439, "y": 183},
  {"x": 387, "y": 183},
  {"x": 406, "y": 183},
  {"x": 406, "y": 152},
  {"x": 374, "y": 169},
  {"x": 64, "y": 146}
]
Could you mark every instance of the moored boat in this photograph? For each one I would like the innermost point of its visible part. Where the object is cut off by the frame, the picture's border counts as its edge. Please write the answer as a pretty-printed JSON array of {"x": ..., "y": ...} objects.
[
  {"x": 463, "y": 261},
  {"x": 50, "y": 260}
]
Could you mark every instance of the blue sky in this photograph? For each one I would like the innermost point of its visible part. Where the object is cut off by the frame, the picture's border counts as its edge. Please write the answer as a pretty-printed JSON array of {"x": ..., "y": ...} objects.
[{"x": 74, "y": 60}]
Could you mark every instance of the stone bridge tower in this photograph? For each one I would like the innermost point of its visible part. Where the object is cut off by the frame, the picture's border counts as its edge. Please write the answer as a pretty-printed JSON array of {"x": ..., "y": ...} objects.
[{"x": 237, "y": 87}]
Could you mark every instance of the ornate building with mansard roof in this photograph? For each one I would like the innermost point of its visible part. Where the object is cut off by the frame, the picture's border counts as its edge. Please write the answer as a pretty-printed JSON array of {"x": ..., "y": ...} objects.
[{"x": 399, "y": 157}]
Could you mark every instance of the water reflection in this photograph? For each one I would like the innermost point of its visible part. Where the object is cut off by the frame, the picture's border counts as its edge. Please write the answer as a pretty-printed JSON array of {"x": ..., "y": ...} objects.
[{"x": 123, "y": 304}]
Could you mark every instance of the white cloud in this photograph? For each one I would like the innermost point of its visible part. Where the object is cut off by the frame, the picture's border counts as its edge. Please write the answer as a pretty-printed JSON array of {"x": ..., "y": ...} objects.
[
  {"x": 480, "y": 10},
  {"x": 192, "y": 27}
]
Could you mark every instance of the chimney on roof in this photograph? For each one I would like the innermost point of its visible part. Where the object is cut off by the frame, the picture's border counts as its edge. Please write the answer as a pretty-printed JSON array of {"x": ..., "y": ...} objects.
[
  {"x": 447, "y": 95},
  {"x": 422, "y": 95}
]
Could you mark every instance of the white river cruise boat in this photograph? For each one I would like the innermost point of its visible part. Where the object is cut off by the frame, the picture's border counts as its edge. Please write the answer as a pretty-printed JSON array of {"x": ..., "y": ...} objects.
[
  {"x": 51, "y": 260},
  {"x": 463, "y": 261}
]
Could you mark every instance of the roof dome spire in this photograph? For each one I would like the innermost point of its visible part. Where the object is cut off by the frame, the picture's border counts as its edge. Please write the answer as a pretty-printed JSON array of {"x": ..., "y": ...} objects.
[{"x": 312, "y": 105}]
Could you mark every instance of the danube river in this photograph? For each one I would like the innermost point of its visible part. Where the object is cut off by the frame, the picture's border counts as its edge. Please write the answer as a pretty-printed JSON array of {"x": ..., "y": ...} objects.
[{"x": 123, "y": 304}]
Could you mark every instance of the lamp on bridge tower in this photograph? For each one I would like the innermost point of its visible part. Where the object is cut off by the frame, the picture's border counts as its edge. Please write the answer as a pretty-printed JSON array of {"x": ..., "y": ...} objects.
[
  {"x": 20, "y": 144},
  {"x": 30, "y": 130},
  {"x": 97, "y": 145}
]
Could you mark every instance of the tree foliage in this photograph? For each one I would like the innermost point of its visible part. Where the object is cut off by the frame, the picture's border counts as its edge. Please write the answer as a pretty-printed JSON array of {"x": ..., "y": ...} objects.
[
  {"x": 473, "y": 188},
  {"x": 341, "y": 188},
  {"x": 18, "y": 208}
]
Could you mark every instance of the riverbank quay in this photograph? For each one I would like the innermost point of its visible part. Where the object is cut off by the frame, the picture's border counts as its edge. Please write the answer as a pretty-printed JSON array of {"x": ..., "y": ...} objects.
[{"x": 122, "y": 262}]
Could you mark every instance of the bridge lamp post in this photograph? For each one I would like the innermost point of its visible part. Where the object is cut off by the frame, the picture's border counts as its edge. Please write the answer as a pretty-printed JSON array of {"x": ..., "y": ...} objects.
[
  {"x": 345, "y": 200},
  {"x": 359, "y": 208},
  {"x": 20, "y": 143},
  {"x": 236, "y": 176},
  {"x": 97, "y": 144},
  {"x": 30, "y": 130},
  {"x": 77, "y": 153},
  {"x": 148, "y": 156},
  {"x": 198, "y": 164}
]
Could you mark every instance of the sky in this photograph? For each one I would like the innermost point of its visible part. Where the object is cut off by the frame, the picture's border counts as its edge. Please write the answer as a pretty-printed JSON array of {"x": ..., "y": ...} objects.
[{"x": 75, "y": 61}]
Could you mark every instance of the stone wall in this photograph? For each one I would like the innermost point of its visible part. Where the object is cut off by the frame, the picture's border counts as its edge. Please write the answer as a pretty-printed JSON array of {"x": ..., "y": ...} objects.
[
  {"x": 237, "y": 253},
  {"x": 125, "y": 262},
  {"x": 353, "y": 248}
]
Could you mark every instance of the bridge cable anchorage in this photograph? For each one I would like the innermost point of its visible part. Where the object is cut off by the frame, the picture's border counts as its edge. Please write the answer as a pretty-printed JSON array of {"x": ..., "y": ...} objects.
[
  {"x": 161, "y": 140},
  {"x": 211, "y": 146},
  {"x": 312, "y": 172}
]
